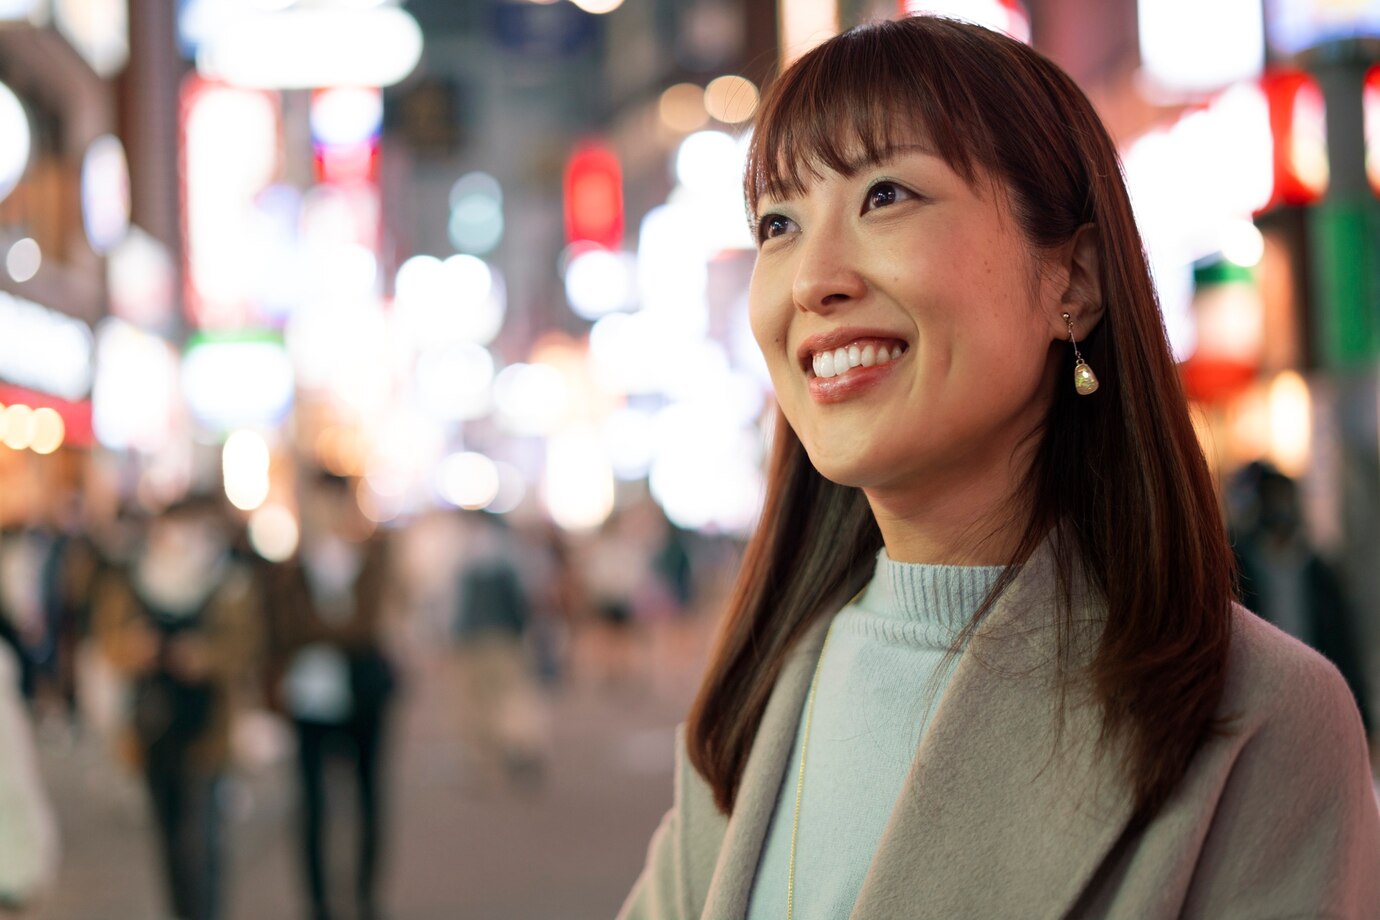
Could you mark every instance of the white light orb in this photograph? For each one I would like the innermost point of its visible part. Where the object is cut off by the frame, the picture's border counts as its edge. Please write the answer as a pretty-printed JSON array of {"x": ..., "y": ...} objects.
[
  {"x": 531, "y": 398},
  {"x": 708, "y": 161},
  {"x": 23, "y": 259},
  {"x": 468, "y": 277},
  {"x": 468, "y": 480},
  {"x": 578, "y": 485},
  {"x": 456, "y": 383},
  {"x": 244, "y": 464},
  {"x": 1243, "y": 243},
  {"x": 598, "y": 7},
  {"x": 346, "y": 115},
  {"x": 273, "y": 532},
  {"x": 15, "y": 140},
  {"x": 598, "y": 282},
  {"x": 419, "y": 279}
]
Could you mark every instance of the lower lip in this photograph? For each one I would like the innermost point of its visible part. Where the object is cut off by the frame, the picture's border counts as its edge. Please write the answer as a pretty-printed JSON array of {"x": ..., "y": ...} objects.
[{"x": 847, "y": 386}]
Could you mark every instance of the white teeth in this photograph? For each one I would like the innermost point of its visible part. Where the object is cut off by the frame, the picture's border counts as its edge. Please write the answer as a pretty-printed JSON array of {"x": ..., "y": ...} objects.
[{"x": 841, "y": 360}]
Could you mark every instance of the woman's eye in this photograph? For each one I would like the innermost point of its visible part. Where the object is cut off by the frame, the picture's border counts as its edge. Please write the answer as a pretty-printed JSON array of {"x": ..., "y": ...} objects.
[
  {"x": 883, "y": 194},
  {"x": 772, "y": 225}
]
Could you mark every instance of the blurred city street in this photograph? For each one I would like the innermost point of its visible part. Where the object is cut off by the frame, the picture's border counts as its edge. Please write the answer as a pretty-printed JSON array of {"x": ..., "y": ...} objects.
[
  {"x": 567, "y": 848},
  {"x": 378, "y": 379}
]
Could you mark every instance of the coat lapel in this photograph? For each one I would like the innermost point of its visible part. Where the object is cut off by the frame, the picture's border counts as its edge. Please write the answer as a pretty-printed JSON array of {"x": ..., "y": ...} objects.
[
  {"x": 1002, "y": 814},
  {"x": 747, "y": 826}
]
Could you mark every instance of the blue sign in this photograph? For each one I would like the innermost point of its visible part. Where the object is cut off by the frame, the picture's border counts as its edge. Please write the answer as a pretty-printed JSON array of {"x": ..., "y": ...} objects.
[
  {"x": 1292, "y": 26},
  {"x": 543, "y": 29}
]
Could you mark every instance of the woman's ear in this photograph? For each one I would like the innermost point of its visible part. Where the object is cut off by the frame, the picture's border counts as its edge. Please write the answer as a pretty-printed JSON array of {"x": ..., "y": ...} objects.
[{"x": 1082, "y": 294}]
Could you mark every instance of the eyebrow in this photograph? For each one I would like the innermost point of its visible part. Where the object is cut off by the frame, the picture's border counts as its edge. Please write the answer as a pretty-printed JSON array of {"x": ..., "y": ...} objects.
[{"x": 851, "y": 168}]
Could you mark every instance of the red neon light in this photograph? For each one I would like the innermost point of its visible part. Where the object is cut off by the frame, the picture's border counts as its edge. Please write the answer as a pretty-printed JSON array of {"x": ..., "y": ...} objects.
[
  {"x": 594, "y": 197},
  {"x": 1300, "y": 141},
  {"x": 1371, "y": 106}
]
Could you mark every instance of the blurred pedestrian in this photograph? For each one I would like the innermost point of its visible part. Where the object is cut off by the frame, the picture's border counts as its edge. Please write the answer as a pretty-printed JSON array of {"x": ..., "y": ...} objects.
[
  {"x": 1285, "y": 580},
  {"x": 326, "y": 609},
  {"x": 502, "y": 713},
  {"x": 28, "y": 831},
  {"x": 180, "y": 624}
]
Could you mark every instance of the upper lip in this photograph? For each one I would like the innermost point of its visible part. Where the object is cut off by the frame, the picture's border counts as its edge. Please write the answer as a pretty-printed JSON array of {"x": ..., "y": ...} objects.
[{"x": 838, "y": 338}]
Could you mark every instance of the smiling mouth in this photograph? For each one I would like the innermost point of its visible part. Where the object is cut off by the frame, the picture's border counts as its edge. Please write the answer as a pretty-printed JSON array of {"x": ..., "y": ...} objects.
[{"x": 862, "y": 353}]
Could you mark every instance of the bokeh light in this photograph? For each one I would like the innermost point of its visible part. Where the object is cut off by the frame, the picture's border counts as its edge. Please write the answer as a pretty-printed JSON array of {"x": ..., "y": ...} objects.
[
  {"x": 468, "y": 480},
  {"x": 344, "y": 116},
  {"x": 578, "y": 486},
  {"x": 23, "y": 259},
  {"x": 709, "y": 160},
  {"x": 455, "y": 383},
  {"x": 681, "y": 108},
  {"x": 598, "y": 7},
  {"x": 476, "y": 213},
  {"x": 19, "y": 427},
  {"x": 531, "y": 398},
  {"x": 49, "y": 431},
  {"x": 15, "y": 139},
  {"x": 1243, "y": 243},
  {"x": 731, "y": 99},
  {"x": 273, "y": 532},
  {"x": 245, "y": 465},
  {"x": 598, "y": 282}
]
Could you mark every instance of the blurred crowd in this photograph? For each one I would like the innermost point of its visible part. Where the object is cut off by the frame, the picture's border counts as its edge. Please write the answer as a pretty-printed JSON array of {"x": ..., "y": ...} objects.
[{"x": 190, "y": 658}]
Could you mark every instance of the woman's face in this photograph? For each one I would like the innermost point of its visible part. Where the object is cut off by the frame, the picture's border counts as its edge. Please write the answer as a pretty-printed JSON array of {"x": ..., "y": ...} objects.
[{"x": 906, "y": 324}]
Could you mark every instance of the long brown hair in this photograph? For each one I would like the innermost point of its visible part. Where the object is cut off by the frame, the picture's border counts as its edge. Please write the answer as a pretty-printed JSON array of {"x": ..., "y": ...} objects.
[{"x": 1121, "y": 473}]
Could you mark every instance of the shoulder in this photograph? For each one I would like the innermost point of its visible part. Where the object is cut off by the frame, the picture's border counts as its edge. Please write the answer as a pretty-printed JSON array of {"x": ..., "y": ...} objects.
[
  {"x": 1275, "y": 680},
  {"x": 1289, "y": 714}
]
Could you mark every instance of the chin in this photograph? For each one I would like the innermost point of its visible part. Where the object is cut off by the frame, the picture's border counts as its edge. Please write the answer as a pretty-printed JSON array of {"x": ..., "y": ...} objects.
[{"x": 854, "y": 471}]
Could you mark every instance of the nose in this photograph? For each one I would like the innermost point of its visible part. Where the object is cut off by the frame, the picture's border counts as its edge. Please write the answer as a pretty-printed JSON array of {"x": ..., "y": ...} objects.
[{"x": 827, "y": 275}]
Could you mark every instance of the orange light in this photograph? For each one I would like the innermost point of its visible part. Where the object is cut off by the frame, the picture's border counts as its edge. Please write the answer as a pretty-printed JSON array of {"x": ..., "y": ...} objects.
[{"x": 594, "y": 197}]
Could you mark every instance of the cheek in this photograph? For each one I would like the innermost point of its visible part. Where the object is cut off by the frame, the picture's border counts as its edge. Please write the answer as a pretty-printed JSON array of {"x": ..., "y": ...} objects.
[{"x": 768, "y": 323}]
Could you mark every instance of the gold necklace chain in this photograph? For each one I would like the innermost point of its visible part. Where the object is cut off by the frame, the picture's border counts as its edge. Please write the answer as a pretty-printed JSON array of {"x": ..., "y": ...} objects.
[{"x": 800, "y": 780}]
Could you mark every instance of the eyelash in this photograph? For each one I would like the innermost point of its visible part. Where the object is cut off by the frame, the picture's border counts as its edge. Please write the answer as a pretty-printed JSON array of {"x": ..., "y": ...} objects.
[{"x": 901, "y": 193}]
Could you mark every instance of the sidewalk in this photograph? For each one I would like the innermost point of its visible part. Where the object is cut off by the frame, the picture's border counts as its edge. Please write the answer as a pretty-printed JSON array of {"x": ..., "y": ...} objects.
[{"x": 568, "y": 850}]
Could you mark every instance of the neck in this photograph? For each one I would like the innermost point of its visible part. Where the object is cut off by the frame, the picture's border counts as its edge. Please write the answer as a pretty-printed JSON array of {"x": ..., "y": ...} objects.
[{"x": 967, "y": 520}]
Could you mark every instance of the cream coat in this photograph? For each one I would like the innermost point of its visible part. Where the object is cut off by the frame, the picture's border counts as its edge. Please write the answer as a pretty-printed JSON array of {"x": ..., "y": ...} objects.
[{"x": 1004, "y": 816}]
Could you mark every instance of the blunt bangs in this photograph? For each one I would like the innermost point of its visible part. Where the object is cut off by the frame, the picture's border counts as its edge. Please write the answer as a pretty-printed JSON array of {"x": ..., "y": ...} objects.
[{"x": 856, "y": 101}]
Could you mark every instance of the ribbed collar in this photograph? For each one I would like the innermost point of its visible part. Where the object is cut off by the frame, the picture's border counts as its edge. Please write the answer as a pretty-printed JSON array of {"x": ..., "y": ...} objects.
[{"x": 940, "y": 599}]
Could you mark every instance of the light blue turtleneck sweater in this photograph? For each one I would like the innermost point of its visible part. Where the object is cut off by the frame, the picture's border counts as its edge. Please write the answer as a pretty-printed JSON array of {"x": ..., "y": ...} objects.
[{"x": 883, "y": 675}]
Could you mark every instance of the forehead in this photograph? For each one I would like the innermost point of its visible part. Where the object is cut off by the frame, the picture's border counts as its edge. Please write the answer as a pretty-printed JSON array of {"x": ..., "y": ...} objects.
[{"x": 797, "y": 146}]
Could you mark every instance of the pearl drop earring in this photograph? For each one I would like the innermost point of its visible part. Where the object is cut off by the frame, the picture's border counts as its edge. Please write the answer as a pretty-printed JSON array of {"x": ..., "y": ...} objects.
[{"x": 1084, "y": 380}]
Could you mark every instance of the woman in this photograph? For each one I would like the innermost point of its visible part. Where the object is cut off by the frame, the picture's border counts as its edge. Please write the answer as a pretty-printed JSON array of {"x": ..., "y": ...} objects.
[{"x": 1040, "y": 700}]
